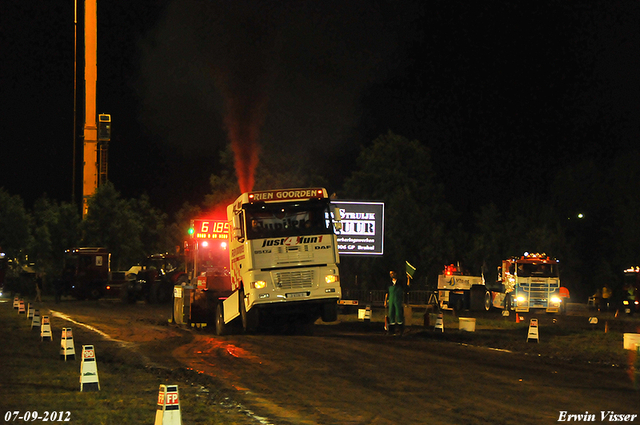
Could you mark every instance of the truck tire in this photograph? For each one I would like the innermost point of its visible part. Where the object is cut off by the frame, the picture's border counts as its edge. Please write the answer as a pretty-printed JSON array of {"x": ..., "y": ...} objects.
[
  {"x": 477, "y": 297},
  {"x": 94, "y": 292},
  {"x": 152, "y": 293},
  {"x": 330, "y": 311},
  {"x": 250, "y": 319},
  {"x": 458, "y": 306},
  {"x": 128, "y": 293},
  {"x": 221, "y": 327},
  {"x": 508, "y": 305},
  {"x": 488, "y": 305},
  {"x": 164, "y": 292}
]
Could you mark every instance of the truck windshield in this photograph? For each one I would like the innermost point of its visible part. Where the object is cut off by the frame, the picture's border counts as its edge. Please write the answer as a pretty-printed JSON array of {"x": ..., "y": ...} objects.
[
  {"x": 288, "y": 219},
  {"x": 537, "y": 270}
]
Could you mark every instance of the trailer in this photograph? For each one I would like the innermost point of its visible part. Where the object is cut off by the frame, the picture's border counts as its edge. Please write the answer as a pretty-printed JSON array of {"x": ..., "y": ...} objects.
[{"x": 459, "y": 291}]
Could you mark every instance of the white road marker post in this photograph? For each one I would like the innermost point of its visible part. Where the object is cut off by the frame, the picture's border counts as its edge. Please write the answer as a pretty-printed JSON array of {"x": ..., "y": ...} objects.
[
  {"x": 439, "y": 323},
  {"x": 89, "y": 370},
  {"x": 533, "y": 330},
  {"x": 168, "y": 412},
  {"x": 35, "y": 323},
  {"x": 45, "y": 330},
  {"x": 67, "y": 348}
]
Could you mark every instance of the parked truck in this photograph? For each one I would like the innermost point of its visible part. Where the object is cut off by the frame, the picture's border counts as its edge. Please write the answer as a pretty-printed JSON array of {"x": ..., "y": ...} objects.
[
  {"x": 208, "y": 282},
  {"x": 4, "y": 265},
  {"x": 155, "y": 279},
  {"x": 631, "y": 291},
  {"x": 85, "y": 274},
  {"x": 459, "y": 290},
  {"x": 524, "y": 283},
  {"x": 274, "y": 260}
]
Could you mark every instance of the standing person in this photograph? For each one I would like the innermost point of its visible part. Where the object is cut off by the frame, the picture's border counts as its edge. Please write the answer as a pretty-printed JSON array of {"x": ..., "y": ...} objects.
[
  {"x": 394, "y": 300},
  {"x": 606, "y": 298},
  {"x": 38, "y": 288},
  {"x": 564, "y": 297}
]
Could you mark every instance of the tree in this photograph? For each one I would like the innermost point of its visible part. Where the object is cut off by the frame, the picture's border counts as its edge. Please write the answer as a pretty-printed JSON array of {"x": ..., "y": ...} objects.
[
  {"x": 418, "y": 221},
  {"x": 487, "y": 246},
  {"x": 155, "y": 236},
  {"x": 112, "y": 223},
  {"x": 15, "y": 225},
  {"x": 605, "y": 240},
  {"x": 56, "y": 230}
]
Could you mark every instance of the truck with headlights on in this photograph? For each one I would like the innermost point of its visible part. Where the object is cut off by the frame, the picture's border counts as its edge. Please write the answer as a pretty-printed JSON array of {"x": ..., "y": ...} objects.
[
  {"x": 283, "y": 260},
  {"x": 525, "y": 283}
]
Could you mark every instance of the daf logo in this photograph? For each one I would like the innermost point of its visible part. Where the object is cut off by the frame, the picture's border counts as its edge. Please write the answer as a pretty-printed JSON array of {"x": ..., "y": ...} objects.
[{"x": 323, "y": 247}]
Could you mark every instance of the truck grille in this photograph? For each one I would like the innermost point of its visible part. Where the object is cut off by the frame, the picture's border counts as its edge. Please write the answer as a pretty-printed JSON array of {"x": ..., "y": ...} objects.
[
  {"x": 538, "y": 294},
  {"x": 293, "y": 254},
  {"x": 293, "y": 279}
]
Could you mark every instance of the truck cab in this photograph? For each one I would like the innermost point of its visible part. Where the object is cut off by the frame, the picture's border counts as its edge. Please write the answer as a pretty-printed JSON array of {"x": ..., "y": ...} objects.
[
  {"x": 534, "y": 282},
  {"x": 85, "y": 274}
]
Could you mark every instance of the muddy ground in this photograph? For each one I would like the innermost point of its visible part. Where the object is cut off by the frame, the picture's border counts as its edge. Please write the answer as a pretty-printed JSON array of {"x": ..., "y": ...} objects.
[{"x": 351, "y": 372}]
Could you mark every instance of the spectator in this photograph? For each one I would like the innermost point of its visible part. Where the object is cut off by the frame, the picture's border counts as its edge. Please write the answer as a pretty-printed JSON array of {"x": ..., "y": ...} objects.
[
  {"x": 38, "y": 288},
  {"x": 394, "y": 299},
  {"x": 605, "y": 301}
]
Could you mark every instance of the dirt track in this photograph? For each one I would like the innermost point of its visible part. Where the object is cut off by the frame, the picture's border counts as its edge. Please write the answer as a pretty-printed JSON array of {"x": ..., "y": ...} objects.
[{"x": 351, "y": 373}]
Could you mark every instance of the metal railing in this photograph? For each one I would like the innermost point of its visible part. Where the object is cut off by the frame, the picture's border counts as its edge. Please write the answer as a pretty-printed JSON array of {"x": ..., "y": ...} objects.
[{"x": 376, "y": 297}]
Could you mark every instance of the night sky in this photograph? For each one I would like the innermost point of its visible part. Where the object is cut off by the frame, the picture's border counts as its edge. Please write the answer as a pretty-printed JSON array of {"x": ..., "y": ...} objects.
[{"x": 504, "y": 93}]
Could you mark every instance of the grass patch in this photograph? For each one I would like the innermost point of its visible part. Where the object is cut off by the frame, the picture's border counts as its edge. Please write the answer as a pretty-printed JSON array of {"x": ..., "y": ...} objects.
[{"x": 34, "y": 378}]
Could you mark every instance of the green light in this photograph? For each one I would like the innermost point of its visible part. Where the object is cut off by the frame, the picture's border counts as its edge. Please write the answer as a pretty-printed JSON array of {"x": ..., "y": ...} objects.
[{"x": 191, "y": 230}]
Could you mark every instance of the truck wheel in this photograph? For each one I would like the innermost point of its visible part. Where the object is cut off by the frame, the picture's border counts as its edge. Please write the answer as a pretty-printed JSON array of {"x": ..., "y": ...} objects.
[
  {"x": 476, "y": 297},
  {"x": 221, "y": 327},
  {"x": 507, "y": 302},
  {"x": 487, "y": 301},
  {"x": 329, "y": 312},
  {"x": 124, "y": 293},
  {"x": 95, "y": 291},
  {"x": 152, "y": 293},
  {"x": 163, "y": 293},
  {"x": 458, "y": 306},
  {"x": 250, "y": 319},
  {"x": 128, "y": 293}
]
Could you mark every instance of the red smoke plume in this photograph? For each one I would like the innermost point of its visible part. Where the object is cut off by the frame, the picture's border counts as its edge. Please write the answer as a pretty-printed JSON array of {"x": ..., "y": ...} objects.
[
  {"x": 244, "y": 70},
  {"x": 243, "y": 121}
]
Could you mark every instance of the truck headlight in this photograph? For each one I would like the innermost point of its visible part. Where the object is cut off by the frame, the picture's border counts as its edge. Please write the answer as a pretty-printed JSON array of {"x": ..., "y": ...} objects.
[
  {"x": 259, "y": 284},
  {"x": 556, "y": 300},
  {"x": 521, "y": 299},
  {"x": 332, "y": 278}
]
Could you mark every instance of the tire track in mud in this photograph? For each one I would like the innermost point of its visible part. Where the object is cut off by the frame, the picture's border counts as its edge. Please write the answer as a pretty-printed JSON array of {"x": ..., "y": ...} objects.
[{"x": 138, "y": 347}]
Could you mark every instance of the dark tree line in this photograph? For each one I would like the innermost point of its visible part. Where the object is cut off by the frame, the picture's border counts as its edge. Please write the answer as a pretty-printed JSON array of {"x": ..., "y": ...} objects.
[{"x": 587, "y": 219}]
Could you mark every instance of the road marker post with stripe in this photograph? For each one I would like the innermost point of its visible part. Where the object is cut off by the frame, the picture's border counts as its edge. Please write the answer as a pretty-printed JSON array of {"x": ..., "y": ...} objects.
[
  {"x": 67, "y": 348},
  {"x": 35, "y": 323},
  {"x": 533, "y": 330},
  {"x": 45, "y": 329},
  {"x": 89, "y": 380},
  {"x": 439, "y": 323},
  {"x": 168, "y": 412}
]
